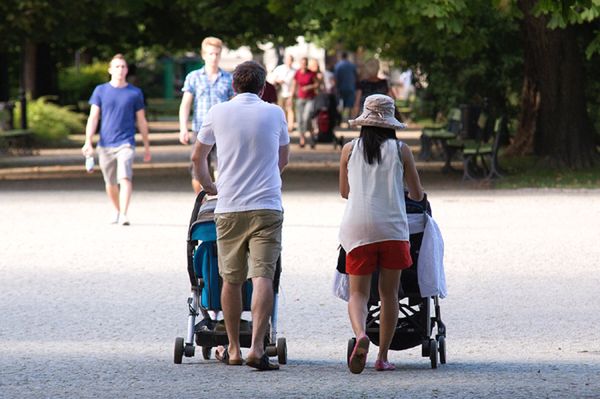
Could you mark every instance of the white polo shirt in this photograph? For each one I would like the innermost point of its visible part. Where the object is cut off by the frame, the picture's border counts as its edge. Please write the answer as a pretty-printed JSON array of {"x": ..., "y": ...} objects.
[{"x": 248, "y": 133}]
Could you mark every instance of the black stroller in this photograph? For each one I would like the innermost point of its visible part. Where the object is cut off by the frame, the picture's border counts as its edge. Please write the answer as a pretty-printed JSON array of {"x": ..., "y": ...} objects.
[
  {"x": 206, "y": 286},
  {"x": 325, "y": 118},
  {"x": 416, "y": 321}
]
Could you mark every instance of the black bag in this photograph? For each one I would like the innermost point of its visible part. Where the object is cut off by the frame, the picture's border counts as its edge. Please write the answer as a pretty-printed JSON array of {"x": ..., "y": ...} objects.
[{"x": 341, "y": 263}]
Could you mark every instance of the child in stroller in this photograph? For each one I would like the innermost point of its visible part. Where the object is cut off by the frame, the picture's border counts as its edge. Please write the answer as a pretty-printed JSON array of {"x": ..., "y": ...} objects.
[
  {"x": 206, "y": 287},
  {"x": 325, "y": 117}
]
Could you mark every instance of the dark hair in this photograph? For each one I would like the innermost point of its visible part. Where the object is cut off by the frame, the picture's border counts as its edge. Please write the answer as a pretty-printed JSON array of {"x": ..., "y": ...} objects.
[
  {"x": 372, "y": 137},
  {"x": 249, "y": 77}
]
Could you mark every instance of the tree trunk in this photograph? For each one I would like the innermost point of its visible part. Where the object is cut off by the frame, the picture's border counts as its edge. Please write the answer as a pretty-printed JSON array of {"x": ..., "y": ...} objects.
[
  {"x": 41, "y": 75},
  {"x": 4, "y": 77},
  {"x": 554, "y": 82}
]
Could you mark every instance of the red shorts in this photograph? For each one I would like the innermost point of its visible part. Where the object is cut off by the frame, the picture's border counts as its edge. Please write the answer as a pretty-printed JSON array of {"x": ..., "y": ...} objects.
[{"x": 386, "y": 254}]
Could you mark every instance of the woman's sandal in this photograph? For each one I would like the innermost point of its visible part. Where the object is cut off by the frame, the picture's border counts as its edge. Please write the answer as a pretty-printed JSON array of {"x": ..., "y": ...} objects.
[
  {"x": 358, "y": 359},
  {"x": 382, "y": 365}
]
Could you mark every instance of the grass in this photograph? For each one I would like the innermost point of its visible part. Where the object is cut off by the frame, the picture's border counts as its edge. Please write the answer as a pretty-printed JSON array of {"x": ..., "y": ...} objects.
[{"x": 527, "y": 172}]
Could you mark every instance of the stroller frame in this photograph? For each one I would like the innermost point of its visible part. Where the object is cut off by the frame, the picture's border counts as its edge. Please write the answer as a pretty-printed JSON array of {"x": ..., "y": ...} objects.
[{"x": 209, "y": 332}]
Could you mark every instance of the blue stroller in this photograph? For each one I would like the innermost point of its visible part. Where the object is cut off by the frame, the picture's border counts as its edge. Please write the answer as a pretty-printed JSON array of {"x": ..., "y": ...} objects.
[{"x": 206, "y": 287}]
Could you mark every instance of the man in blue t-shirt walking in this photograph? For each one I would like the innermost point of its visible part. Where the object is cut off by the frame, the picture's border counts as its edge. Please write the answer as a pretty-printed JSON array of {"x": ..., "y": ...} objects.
[{"x": 119, "y": 105}]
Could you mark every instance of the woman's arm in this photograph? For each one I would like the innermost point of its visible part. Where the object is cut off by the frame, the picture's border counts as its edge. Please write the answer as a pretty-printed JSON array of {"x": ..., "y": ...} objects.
[
  {"x": 411, "y": 176},
  {"x": 344, "y": 185}
]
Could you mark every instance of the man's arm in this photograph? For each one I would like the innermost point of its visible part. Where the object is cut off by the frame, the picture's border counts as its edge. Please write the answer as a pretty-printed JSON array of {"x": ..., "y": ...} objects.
[
  {"x": 184, "y": 114},
  {"x": 142, "y": 124},
  {"x": 284, "y": 156},
  {"x": 90, "y": 130},
  {"x": 200, "y": 165}
]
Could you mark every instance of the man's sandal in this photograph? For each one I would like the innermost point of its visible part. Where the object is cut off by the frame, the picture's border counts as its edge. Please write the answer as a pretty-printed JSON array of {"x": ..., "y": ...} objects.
[
  {"x": 262, "y": 363},
  {"x": 224, "y": 358}
]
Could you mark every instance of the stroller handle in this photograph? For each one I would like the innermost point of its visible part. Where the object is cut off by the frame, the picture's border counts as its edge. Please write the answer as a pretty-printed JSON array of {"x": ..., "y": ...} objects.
[{"x": 197, "y": 204}]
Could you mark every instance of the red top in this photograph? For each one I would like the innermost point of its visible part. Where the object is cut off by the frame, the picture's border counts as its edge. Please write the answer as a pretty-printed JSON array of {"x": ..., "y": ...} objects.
[
  {"x": 269, "y": 93},
  {"x": 305, "y": 78}
]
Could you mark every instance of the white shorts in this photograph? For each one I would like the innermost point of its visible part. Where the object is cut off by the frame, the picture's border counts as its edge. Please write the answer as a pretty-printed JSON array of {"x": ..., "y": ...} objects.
[{"x": 116, "y": 163}]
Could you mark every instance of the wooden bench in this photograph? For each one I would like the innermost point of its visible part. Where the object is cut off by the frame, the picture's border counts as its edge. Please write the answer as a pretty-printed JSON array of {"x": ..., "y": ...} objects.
[
  {"x": 16, "y": 139},
  {"x": 443, "y": 137},
  {"x": 481, "y": 158}
]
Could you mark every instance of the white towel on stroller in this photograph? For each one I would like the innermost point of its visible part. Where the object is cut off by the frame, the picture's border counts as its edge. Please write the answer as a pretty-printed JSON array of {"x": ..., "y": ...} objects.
[
  {"x": 431, "y": 276},
  {"x": 432, "y": 279}
]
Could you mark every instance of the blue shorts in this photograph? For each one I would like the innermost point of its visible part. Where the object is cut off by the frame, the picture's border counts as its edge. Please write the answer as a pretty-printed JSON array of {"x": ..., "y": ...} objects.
[{"x": 347, "y": 97}]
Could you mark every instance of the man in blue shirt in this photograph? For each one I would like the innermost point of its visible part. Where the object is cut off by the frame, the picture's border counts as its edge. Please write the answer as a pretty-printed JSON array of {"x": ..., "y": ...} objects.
[
  {"x": 202, "y": 89},
  {"x": 119, "y": 106},
  {"x": 345, "y": 81}
]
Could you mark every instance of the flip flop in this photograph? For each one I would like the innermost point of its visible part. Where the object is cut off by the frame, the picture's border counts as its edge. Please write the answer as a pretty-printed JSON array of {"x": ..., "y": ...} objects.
[
  {"x": 358, "y": 359},
  {"x": 224, "y": 358},
  {"x": 382, "y": 365},
  {"x": 261, "y": 364}
]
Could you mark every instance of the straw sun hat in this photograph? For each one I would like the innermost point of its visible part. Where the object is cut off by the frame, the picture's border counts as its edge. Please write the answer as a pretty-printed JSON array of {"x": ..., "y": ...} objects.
[{"x": 378, "y": 111}]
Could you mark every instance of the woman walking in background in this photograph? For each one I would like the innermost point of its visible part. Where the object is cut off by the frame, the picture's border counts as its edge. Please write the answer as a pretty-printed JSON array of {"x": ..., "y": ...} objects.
[
  {"x": 370, "y": 85},
  {"x": 304, "y": 90}
]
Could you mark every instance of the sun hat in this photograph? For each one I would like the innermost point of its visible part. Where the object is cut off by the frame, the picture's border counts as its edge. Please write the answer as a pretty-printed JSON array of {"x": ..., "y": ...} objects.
[{"x": 378, "y": 111}]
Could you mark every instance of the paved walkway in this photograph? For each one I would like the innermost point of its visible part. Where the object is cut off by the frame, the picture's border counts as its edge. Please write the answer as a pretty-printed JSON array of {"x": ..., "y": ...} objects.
[{"x": 91, "y": 310}]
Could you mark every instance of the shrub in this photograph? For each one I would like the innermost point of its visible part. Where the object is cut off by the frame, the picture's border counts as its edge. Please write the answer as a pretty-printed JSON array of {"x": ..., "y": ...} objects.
[
  {"x": 77, "y": 85},
  {"x": 51, "y": 123}
]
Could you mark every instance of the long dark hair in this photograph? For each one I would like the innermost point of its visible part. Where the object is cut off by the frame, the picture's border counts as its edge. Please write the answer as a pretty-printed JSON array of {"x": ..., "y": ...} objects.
[{"x": 372, "y": 137}]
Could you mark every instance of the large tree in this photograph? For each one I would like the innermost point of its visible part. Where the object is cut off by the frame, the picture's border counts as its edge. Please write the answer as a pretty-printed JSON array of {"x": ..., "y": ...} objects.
[
  {"x": 48, "y": 32},
  {"x": 485, "y": 47}
]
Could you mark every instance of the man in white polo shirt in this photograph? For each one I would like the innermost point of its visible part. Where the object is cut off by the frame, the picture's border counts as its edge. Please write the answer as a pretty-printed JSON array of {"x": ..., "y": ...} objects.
[{"x": 253, "y": 148}]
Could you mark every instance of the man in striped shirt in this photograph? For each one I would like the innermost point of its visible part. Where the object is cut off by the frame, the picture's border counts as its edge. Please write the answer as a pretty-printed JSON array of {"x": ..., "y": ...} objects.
[{"x": 202, "y": 89}]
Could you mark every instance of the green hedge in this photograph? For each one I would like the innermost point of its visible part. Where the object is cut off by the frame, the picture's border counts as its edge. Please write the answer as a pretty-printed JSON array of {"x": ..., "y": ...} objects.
[
  {"x": 51, "y": 123},
  {"x": 76, "y": 85}
]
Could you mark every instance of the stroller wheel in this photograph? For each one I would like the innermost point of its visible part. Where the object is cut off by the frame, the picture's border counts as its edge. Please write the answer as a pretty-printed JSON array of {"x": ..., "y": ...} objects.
[
  {"x": 442, "y": 349},
  {"x": 433, "y": 351},
  {"x": 206, "y": 350},
  {"x": 189, "y": 350},
  {"x": 281, "y": 351},
  {"x": 178, "y": 353},
  {"x": 351, "y": 344},
  {"x": 271, "y": 350}
]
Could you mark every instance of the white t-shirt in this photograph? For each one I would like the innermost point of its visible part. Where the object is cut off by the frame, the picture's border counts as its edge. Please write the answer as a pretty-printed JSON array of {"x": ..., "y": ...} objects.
[
  {"x": 285, "y": 74},
  {"x": 375, "y": 210},
  {"x": 248, "y": 133}
]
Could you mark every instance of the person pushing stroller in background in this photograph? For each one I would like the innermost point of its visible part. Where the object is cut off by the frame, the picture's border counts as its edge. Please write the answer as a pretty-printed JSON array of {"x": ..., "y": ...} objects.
[{"x": 374, "y": 229}]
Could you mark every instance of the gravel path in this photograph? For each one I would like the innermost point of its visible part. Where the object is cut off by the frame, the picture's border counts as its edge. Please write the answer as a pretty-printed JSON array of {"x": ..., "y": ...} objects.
[{"x": 91, "y": 310}]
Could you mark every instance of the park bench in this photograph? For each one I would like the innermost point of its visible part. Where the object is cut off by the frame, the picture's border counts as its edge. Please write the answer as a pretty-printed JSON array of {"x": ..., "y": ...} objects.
[
  {"x": 162, "y": 109},
  {"x": 444, "y": 137},
  {"x": 13, "y": 139},
  {"x": 480, "y": 159}
]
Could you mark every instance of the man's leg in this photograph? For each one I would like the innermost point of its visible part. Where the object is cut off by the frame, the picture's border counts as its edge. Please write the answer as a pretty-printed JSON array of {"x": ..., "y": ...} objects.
[
  {"x": 265, "y": 248},
  {"x": 231, "y": 300},
  {"x": 112, "y": 190},
  {"x": 262, "y": 307},
  {"x": 125, "y": 190}
]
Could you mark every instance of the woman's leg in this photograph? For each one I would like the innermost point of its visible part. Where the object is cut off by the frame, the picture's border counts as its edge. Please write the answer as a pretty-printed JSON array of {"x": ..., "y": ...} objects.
[
  {"x": 389, "y": 282},
  {"x": 357, "y": 304},
  {"x": 300, "y": 105}
]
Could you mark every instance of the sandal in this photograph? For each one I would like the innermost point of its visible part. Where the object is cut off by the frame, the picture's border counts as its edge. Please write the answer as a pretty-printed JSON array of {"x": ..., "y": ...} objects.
[
  {"x": 358, "y": 359},
  {"x": 262, "y": 363},
  {"x": 382, "y": 365},
  {"x": 224, "y": 358}
]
